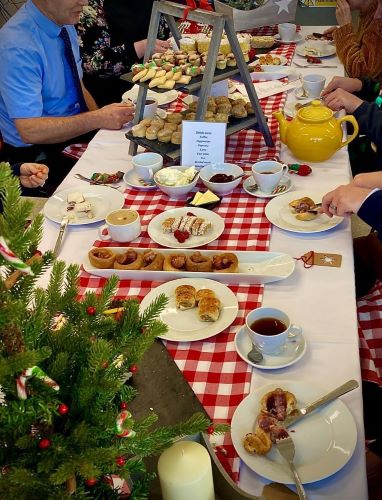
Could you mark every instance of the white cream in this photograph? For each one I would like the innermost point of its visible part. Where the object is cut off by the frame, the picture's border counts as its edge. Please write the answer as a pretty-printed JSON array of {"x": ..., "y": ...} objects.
[{"x": 175, "y": 177}]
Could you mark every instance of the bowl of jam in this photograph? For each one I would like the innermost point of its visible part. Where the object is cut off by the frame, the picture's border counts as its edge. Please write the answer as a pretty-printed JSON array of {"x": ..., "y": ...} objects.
[{"x": 221, "y": 178}]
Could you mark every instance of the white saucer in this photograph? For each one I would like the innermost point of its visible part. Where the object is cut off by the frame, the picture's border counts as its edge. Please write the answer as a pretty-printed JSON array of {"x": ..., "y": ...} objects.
[
  {"x": 285, "y": 181},
  {"x": 131, "y": 179},
  {"x": 292, "y": 353},
  {"x": 299, "y": 94},
  {"x": 297, "y": 38}
]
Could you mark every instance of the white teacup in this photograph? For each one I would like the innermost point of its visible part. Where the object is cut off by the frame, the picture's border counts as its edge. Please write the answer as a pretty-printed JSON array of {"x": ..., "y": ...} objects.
[
  {"x": 146, "y": 164},
  {"x": 270, "y": 329},
  {"x": 313, "y": 84},
  {"x": 287, "y": 31},
  {"x": 267, "y": 174},
  {"x": 122, "y": 225}
]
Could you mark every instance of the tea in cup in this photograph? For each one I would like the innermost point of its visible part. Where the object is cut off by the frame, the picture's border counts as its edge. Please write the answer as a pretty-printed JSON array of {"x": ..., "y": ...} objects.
[
  {"x": 287, "y": 31},
  {"x": 313, "y": 85},
  {"x": 270, "y": 329},
  {"x": 267, "y": 174},
  {"x": 146, "y": 164},
  {"x": 122, "y": 225}
]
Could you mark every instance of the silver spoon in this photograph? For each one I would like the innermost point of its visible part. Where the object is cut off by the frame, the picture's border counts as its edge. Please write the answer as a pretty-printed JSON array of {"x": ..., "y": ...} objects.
[{"x": 255, "y": 355}]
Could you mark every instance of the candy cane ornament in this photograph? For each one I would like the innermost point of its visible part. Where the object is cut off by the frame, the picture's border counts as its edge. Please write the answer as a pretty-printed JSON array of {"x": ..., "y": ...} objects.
[
  {"x": 35, "y": 371},
  {"x": 12, "y": 258},
  {"x": 120, "y": 429}
]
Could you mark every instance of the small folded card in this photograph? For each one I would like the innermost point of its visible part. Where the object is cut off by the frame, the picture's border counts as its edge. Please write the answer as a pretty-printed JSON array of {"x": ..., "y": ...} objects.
[{"x": 312, "y": 258}]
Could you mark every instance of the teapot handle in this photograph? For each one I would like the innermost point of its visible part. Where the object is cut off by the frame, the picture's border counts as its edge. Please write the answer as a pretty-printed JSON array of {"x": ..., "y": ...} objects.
[{"x": 353, "y": 121}]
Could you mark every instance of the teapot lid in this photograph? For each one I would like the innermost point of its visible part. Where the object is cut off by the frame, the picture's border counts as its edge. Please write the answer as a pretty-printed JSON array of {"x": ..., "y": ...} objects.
[{"x": 315, "y": 112}]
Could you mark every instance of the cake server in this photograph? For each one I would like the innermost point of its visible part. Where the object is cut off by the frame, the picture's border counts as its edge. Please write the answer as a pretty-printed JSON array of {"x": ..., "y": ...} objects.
[{"x": 299, "y": 413}]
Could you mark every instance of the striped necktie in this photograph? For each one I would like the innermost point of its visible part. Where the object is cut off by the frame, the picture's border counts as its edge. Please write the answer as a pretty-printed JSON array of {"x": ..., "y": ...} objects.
[{"x": 73, "y": 68}]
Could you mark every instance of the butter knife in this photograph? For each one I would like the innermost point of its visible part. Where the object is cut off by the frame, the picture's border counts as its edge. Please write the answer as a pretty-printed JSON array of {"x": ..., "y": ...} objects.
[
  {"x": 298, "y": 414},
  {"x": 63, "y": 225}
]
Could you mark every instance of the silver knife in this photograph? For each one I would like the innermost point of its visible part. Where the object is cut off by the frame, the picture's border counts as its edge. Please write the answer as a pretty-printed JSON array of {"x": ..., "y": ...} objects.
[
  {"x": 63, "y": 225},
  {"x": 298, "y": 414}
]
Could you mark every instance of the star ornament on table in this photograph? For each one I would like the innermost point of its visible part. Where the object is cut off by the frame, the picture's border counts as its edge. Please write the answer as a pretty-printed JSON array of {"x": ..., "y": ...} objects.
[
  {"x": 327, "y": 260},
  {"x": 283, "y": 5}
]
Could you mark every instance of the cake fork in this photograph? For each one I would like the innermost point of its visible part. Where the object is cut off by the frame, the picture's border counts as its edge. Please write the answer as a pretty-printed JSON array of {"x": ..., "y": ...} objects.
[{"x": 285, "y": 446}]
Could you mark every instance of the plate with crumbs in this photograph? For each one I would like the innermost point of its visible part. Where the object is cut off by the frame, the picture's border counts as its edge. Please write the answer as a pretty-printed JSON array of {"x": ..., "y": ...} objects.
[
  {"x": 185, "y": 325},
  {"x": 102, "y": 199},
  {"x": 214, "y": 226}
]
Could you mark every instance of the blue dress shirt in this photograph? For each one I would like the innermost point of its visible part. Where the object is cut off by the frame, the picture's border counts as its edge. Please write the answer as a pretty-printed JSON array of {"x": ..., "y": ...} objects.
[{"x": 35, "y": 80}]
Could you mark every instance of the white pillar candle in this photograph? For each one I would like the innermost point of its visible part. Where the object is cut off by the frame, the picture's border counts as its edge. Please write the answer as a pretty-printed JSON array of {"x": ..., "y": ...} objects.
[{"x": 185, "y": 472}]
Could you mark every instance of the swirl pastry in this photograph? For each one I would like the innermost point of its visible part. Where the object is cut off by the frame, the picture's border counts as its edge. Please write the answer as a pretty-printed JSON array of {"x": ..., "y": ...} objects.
[
  {"x": 174, "y": 262},
  {"x": 102, "y": 258},
  {"x": 225, "y": 263},
  {"x": 130, "y": 259},
  {"x": 152, "y": 261},
  {"x": 185, "y": 297},
  {"x": 198, "y": 263}
]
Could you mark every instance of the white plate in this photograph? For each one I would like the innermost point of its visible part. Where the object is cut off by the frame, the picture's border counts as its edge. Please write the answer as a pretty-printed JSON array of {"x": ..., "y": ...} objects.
[
  {"x": 168, "y": 239},
  {"x": 283, "y": 59},
  {"x": 285, "y": 181},
  {"x": 102, "y": 198},
  {"x": 299, "y": 94},
  {"x": 270, "y": 72},
  {"x": 161, "y": 97},
  {"x": 279, "y": 213},
  {"x": 254, "y": 268},
  {"x": 297, "y": 38},
  {"x": 291, "y": 354},
  {"x": 232, "y": 87},
  {"x": 132, "y": 179},
  {"x": 327, "y": 50},
  {"x": 324, "y": 441},
  {"x": 185, "y": 326}
]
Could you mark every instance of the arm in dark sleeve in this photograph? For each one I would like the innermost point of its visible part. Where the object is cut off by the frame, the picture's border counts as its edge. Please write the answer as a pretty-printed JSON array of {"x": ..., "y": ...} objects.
[
  {"x": 16, "y": 169},
  {"x": 371, "y": 212},
  {"x": 376, "y": 447},
  {"x": 369, "y": 118},
  {"x": 370, "y": 89}
]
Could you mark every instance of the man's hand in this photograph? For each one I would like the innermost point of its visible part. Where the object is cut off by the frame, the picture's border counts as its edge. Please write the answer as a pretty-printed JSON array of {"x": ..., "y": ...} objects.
[
  {"x": 342, "y": 82},
  {"x": 160, "y": 46},
  {"x": 344, "y": 200},
  {"x": 33, "y": 175},
  {"x": 114, "y": 116},
  {"x": 343, "y": 13},
  {"x": 330, "y": 31},
  {"x": 340, "y": 99}
]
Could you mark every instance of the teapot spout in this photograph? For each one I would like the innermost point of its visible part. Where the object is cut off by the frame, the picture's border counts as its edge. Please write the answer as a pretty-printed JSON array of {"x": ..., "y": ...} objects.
[{"x": 283, "y": 124}]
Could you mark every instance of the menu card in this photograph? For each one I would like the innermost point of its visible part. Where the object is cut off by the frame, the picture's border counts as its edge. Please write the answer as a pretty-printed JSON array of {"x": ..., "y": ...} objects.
[{"x": 202, "y": 143}]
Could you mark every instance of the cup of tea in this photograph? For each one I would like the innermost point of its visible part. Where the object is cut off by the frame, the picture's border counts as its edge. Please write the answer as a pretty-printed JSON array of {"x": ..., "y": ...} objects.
[
  {"x": 146, "y": 164},
  {"x": 267, "y": 174},
  {"x": 313, "y": 85},
  {"x": 287, "y": 31},
  {"x": 270, "y": 329},
  {"x": 122, "y": 225}
]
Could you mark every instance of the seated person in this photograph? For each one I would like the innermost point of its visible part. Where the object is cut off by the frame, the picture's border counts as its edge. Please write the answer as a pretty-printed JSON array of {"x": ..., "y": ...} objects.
[
  {"x": 352, "y": 95},
  {"x": 43, "y": 104},
  {"x": 113, "y": 37},
  {"x": 359, "y": 51}
]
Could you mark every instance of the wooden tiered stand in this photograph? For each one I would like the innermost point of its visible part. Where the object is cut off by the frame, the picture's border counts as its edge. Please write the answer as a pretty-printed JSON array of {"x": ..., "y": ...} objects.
[{"x": 219, "y": 22}]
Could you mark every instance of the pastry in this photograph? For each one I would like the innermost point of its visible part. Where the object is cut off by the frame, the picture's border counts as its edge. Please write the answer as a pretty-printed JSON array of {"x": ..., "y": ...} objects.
[
  {"x": 219, "y": 100},
  {"x": 152, "y": 261},
  {"x": 140, "y": 75},
  {"x": 83, "y": 210},
  {"x": 149, "y": 75},
  {"x": 184, "y": 79},
  {"x": 146, "y": 122},
  {"x": 224, "y": 107},
  {"x": 129, "y": 260},
  {"x": 167, "y": 225},
  {"x": 174, "y": 117},
  {"x": 259, "y": 42},
  {"x": 102, "y": 258},
  {"x": 185, "y": 297},
  {"x": 160, "y": 80},
  {"x": 139, "y": 130},
  {"x": 249, "y": 108},
  {"x": 168, "y": 84},
  {"x": 239, "y": 111},
  {"x": 278, "y": 403},
  {"x": 259, "y": 442},
  {"x": 200, "y": 227},
  {"x": 198, "y": 263},
  {"x": 209, "y": 309},
  {"x": 164, "y": 135},
  {"x": 174, "y": 262},
  {"x": 193, "y": 105},
  {"x": 221, "y": 117},
  {"x": 304, "y": 208},
  {"x": 225, "y": 263},
  {"x": 204, "y": 293},
  {"x": 176, "y": 137},
  {"x": 171, "y": 126},
  {"x": 151, "y": 133}
]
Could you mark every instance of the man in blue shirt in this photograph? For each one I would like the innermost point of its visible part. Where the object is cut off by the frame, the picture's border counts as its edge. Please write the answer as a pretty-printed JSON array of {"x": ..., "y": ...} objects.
[{"x": 43, "y": 104}]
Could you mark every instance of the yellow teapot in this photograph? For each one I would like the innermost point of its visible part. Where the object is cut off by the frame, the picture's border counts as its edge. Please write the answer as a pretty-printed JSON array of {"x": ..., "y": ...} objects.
[{"x": 314, "y": 134}]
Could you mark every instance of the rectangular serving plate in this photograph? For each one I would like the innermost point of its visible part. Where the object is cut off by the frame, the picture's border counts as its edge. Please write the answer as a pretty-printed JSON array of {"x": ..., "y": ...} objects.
[{"x": 254, "y": 268}]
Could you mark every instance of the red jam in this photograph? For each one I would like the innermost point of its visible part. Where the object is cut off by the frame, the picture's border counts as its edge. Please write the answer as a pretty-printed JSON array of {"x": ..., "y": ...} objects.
[{"x": 221, "y": 178}]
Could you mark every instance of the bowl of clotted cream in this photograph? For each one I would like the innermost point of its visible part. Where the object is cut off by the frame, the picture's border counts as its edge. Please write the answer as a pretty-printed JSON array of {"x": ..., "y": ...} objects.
[{"x": 176, "y": 181}]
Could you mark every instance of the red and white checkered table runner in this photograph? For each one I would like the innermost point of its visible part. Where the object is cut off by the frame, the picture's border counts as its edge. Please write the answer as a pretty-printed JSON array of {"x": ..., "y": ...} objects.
[{"x": 217, "y": 375}]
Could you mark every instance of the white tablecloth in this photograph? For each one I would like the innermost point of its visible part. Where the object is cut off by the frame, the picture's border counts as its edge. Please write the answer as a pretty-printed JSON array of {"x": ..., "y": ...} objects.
[{"x": 320, "y": 299}]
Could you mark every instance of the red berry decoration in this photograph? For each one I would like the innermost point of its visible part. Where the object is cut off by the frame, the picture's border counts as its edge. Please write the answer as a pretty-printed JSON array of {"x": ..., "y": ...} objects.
[
  {"x": 210, "y": 429},
  {"x": 63, "y": 409},
  {"x": 133, "y": 369},
  {"x": 304, "y": 170},
  {"x": 123, "y": 405},
  {"x": 44, "y": 444},
  {"x": 105, "y": 364},
  {"x": 91, "y": 481},
  {"x": 91, "y": 310},
  {"x": 120, "y": 461},
  {"x": 251, "y": 54}
]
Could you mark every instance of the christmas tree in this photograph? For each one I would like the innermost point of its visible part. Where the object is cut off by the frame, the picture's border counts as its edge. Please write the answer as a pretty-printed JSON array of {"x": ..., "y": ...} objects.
[{"x": 65, "y": 364}]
